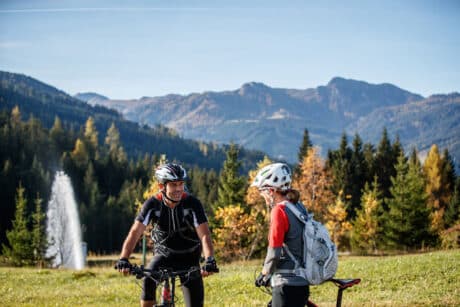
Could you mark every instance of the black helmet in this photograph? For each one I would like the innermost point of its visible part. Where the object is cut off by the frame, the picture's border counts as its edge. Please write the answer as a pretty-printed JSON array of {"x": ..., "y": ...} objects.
[{"x": 170, "y": 172}]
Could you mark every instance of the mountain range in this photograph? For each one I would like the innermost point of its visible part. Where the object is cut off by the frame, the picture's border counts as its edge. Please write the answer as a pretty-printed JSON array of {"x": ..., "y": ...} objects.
[{"x": 273, "y": 119}]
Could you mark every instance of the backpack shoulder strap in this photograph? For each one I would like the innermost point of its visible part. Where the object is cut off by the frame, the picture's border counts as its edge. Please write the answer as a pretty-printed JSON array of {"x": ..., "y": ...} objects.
[
  {"x": 299, "y": 215},
  {"x": 303, "y": 219}
]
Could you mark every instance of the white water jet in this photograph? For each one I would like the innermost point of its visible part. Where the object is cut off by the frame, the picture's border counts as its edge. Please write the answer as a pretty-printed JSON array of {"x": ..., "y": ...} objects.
[{"x": 63, "y": 225}]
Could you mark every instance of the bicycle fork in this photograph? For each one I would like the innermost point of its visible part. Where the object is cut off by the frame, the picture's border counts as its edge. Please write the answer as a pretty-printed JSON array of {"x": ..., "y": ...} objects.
[{"x": 166, "y": 297}]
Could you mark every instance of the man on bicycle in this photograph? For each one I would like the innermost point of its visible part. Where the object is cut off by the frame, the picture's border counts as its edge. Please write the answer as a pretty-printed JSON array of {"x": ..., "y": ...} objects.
[{"x": 180, "y": 235}]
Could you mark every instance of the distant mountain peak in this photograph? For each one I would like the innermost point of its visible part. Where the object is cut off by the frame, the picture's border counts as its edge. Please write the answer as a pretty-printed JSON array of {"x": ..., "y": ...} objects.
[
  {"x": 91, "y": 97},
  {"x": 253, "y": 88},
  {"x": 336, "y": 80},
  {"x": 342, "y": 82},
  {"x": 254, "y": 84}
]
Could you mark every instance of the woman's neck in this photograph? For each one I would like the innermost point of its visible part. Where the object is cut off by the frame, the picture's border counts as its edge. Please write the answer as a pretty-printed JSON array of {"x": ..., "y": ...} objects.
[{"x": 278, "y": 198}]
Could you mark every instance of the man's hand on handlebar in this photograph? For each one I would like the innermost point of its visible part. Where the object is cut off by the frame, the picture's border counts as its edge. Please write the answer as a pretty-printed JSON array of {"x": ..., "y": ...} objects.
[
  {"x": 123, "y": 265},
  {"x": 209, "y": 267}
]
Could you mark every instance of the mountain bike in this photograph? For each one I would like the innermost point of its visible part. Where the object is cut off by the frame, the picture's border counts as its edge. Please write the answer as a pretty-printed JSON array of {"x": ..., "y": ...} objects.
[
  {"x": 342, "y": 285},
  {"x": 166, "y": 278}
]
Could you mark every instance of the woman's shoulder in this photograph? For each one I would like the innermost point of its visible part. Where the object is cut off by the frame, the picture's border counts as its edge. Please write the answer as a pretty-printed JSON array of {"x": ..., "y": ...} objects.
[{"x": 279, "y": 209}]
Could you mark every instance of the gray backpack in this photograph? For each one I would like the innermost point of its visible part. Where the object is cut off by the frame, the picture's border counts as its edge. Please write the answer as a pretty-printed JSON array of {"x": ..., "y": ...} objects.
[{"x": 319, "y": 253}]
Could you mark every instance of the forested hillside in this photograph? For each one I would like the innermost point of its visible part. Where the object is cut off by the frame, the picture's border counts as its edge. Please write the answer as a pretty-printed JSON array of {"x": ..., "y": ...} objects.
[{"x": 46, "y": 103}]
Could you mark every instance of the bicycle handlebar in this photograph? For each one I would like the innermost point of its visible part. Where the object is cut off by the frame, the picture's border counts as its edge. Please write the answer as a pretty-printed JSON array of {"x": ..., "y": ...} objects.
[{"x": 161, "y": 273}]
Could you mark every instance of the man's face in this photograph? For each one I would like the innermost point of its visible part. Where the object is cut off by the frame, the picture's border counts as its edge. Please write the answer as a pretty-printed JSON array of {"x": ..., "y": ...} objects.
[{"x": 175, "y": 189}]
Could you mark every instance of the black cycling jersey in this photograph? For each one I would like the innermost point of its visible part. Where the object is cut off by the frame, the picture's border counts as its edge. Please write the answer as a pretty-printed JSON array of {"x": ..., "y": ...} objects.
[{"x": 173, "y": 228}]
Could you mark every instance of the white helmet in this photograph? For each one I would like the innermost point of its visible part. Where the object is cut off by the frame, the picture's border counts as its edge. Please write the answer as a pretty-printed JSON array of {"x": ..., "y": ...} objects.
[{"x": 276, "y": 175}]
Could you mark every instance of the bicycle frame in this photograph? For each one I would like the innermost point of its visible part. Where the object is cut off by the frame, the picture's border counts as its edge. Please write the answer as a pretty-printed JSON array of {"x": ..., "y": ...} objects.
[
  {"x": 167, "y": 278},
  {"x": 341, "y": 284}
]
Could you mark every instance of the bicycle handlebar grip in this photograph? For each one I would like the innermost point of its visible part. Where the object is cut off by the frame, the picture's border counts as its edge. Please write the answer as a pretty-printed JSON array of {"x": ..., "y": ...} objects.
[
  {"x": 210, "y": 265},
  {"x": 123, "y": 263}
]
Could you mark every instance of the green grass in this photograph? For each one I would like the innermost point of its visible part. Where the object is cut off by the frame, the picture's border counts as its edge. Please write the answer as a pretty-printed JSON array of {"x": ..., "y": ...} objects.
[{"x": 430, "y": 279}]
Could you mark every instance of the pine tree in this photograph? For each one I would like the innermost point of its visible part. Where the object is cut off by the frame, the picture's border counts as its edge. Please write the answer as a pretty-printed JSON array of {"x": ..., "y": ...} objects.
[
  {"x": 90, "y": 210},
  {"x": 385, "y": 164},
  {"x": 369, "y": 161},
  {"x": 406, "y": 224},
  {"x": 20, "y": 250},
  {"x": 452, "y": 213},
  {"x": 115, "y": 164},
  {"x": 39, "y": 243},
  {"x": 212, "y": 184},
  {"x": 339, "y": 163},
  {"x": 396, "y": 148},
  {"x": 58, "y": 136},
  {"x": 303, "y": 150},
  {"x": 448, "y": 174},
  {"x": 358, "y": 176},
  {"x": 232, "y": 186},
  {"x": 413, "y": 158}
]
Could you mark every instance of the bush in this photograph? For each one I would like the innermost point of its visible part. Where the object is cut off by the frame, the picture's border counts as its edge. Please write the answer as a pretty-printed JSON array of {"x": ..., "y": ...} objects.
[{"x": 450, "y": 238}]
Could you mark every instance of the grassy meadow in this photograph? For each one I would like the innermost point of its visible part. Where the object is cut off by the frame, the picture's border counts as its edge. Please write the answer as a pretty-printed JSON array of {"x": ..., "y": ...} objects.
[{"x": 428, "y": 279}]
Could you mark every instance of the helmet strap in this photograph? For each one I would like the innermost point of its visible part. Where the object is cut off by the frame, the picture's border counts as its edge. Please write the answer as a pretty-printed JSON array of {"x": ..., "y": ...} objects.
[
  {"x": 271, "y": 196},
  {"x": 169, "y": 199},
  {"x": 272, "y": 203},
  {"x": 163, "y": 191}
]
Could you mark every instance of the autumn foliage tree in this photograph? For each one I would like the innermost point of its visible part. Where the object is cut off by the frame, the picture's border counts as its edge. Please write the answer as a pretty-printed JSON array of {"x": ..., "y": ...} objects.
[
  {"x": 436, "y": 189},
  {"x": 241, "y": 228},
  {"x": 235, "y": 233},
  {"x": 314, "y": 185},
  {"x": 365, "y": 225},
  {"x": 337, "y": 223}
]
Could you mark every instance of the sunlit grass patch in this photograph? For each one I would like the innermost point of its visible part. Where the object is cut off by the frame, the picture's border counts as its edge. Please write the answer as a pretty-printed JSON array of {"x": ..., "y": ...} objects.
[{"x": 430, "y": 279}]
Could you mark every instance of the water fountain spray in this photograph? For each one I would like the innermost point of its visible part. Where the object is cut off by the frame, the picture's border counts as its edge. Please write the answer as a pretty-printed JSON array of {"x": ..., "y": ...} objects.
[{"x": 63, "y": 225}]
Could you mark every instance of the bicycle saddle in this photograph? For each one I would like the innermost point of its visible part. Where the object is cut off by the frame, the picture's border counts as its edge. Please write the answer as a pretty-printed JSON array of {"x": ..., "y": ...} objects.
[{"x": 345, "y": 283}]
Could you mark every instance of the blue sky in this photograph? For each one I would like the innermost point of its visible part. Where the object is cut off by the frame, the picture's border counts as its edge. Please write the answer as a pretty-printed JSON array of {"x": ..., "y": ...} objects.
[{"x": 129, "y": 49}]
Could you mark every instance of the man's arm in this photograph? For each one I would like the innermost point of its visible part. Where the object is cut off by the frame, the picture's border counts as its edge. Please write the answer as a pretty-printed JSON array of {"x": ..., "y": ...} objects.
[
  {"x": 205, "y": 237},
  {"x": 131, "y": 240},
  {"x": 208, "y": 250}
]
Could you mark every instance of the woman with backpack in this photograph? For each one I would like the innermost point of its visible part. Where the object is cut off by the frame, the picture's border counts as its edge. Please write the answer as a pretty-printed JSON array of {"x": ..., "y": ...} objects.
[{"x": 274, "y": 184}]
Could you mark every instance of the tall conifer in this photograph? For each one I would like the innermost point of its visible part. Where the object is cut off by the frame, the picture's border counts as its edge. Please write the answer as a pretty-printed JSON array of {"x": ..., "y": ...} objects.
[
  {"x": 231, "y": 188},
  {"x": 303, "y": 150},
  {"x": 385, "y": 162},
  {"x": 19, "y": 251},
  {"x": 406, "y": 224}
]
